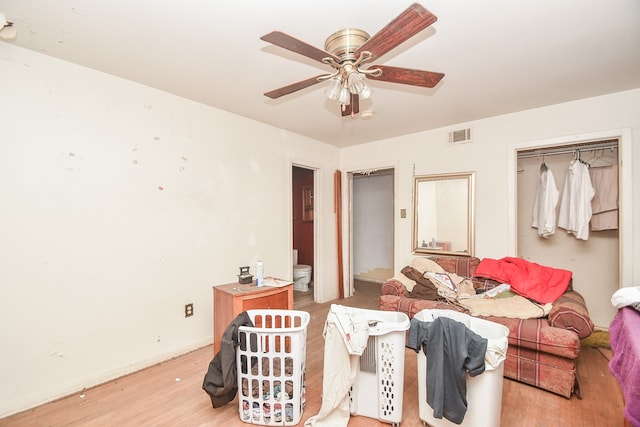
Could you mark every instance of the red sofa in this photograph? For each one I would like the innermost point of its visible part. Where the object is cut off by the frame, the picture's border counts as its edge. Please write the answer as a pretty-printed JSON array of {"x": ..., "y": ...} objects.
[{"x": 542, "y": 352}]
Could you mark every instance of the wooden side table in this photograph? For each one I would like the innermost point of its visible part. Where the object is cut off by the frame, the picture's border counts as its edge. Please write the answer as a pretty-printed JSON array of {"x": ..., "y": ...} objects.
[{"x": 233, "y": 298}]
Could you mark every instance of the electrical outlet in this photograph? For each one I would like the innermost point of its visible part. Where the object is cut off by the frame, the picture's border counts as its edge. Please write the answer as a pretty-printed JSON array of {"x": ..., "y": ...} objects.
[{"x": 188, "y": 310}]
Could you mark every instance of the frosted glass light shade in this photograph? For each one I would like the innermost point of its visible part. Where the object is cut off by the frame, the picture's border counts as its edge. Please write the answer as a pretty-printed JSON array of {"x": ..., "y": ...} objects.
[
  {"x": 333, "y": 89},
  {"x": 345, "y": 96}
]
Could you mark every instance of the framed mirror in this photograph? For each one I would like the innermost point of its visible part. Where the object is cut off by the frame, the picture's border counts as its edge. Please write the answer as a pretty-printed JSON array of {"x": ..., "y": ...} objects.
[{"x": 443, "y": 214}]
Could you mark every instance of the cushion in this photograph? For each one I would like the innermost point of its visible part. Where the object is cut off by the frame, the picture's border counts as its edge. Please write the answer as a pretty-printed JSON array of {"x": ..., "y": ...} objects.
[
  {"x": 539, "y": 336},
  {"x": 412, "y": 306},
  {"x": 395, "y": 287},
  {"x": 570, "y": 312}
]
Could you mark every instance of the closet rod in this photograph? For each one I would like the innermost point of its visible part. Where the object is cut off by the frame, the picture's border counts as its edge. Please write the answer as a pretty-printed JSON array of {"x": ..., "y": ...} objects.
[{"x": 551, "y": 151}]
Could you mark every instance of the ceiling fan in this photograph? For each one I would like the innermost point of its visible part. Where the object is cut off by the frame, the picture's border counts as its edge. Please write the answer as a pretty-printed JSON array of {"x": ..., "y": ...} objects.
[{"x": 349, "y": 49}]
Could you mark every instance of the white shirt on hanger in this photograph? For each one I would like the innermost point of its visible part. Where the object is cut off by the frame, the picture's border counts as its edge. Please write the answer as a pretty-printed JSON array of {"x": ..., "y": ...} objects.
[
  {"x": 575, "y": 208},
  {"x": 544, "y": 207}
]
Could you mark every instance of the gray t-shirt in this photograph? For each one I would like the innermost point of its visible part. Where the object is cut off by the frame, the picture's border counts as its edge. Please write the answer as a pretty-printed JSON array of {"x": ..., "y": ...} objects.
[{"x": 452, "y": 350}]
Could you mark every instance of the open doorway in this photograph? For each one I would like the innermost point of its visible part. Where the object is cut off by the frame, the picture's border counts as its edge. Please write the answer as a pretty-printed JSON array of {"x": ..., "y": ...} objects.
[
  {"x": 372, "y": 227},
  {"x": 303, "y": 214}
]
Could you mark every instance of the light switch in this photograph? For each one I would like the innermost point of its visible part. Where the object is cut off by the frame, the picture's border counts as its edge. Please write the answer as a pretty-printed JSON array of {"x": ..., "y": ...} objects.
[{"x": 403, "y": 213}]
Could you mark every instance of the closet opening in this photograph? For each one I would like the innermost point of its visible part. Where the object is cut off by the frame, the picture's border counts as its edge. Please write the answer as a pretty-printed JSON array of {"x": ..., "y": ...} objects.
[{"x": 556, "y": 187}]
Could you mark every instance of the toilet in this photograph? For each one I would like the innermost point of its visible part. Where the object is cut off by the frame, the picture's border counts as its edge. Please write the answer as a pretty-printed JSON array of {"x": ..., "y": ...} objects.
[{"x": 301, "y": 274}]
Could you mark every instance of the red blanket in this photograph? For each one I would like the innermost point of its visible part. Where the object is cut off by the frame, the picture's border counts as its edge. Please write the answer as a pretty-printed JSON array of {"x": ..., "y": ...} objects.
[{"x": 531, "y": 280}]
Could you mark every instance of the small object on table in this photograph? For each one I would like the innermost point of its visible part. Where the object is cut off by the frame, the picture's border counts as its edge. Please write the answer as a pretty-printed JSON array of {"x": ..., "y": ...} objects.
[{"x": 244, "y": 277}]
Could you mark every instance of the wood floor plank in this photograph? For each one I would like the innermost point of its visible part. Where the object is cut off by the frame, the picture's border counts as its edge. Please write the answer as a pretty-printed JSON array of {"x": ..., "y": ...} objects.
[{"x": 170, "y": 393}]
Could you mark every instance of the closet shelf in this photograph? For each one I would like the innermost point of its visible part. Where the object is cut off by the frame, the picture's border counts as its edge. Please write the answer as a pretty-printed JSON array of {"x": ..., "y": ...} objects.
[{"x": 568, "y": 149}]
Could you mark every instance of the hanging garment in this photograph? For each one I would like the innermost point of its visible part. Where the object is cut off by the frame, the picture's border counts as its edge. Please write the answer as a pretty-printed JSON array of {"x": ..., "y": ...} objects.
[
  {"x": 575, "y": 208},
  {"x": 452, "y": 349},
  {"x": 544, "y": 207},
  {"x": 604, "y": 205}
]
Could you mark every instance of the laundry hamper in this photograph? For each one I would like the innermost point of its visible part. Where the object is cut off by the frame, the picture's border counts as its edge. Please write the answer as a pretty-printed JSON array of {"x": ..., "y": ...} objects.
[
  {"x": 484, "y": 391},
  {"x": 378, "y": 388},
  {"x": 270, "y": 361}
]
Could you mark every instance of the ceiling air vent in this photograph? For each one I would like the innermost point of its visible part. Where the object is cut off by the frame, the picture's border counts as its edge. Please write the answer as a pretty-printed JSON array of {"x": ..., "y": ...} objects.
[{"x": 460, "y": 136}]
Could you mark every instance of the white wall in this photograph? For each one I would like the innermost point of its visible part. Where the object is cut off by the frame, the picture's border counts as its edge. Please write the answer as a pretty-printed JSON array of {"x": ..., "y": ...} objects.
[
  {"x": 120, "y": 204},
  {"x": 487, "y": 155}
]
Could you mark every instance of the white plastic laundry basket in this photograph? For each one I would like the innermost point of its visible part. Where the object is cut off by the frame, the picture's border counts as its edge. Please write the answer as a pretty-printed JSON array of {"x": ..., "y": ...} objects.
[
  {"x": 484, "y": 391},
  {"x": 378, "y": 388},
  {"x": 270, "y": 361}
]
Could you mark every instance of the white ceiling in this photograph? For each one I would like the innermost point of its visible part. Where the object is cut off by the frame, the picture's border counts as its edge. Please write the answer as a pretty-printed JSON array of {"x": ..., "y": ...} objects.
[{"x": 498, "y": 56}]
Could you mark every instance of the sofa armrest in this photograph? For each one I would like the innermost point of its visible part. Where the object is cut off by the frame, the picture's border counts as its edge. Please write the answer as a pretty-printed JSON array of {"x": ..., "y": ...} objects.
[
  {"x": 570, "y": 312},
  {"x": 394, "y": 287}
]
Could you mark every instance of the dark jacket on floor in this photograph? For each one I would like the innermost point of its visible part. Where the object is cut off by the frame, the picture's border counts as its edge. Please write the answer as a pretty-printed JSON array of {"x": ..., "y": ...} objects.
[{"x": 221, "y": 379}]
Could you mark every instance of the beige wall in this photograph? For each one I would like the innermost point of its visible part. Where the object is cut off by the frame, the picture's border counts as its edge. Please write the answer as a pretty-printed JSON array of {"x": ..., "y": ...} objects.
[{"x": 120, "y": 204}]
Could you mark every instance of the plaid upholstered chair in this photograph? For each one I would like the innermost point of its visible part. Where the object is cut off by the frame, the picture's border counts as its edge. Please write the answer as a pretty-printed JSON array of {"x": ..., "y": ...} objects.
[{"x": 542, "y": 351}]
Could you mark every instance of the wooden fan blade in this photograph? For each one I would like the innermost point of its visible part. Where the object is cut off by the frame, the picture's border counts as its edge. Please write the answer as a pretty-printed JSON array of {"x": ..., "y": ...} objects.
[
  {"x": 409, "y": 23},
  {"x": 353, "y": 107},
  {"x": 286, "y": 90},
  {"x": 288, "y": 42},
  {"x": 407, "y": 76}
]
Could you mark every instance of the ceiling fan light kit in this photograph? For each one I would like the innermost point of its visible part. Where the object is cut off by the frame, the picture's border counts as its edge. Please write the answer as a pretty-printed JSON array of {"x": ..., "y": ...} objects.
[{"x": 349, "y": 49}]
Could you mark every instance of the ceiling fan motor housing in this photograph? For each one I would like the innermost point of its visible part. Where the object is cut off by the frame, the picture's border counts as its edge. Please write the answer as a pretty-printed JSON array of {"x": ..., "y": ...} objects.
[{"x": 345, "y": 43}]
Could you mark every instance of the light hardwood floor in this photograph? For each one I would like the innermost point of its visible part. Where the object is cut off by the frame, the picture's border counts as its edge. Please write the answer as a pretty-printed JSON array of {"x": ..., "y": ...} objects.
[{"x": 170, "y": 393}]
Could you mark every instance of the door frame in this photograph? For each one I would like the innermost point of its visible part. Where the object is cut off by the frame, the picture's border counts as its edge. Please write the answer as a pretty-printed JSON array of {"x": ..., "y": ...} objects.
[
  {"x": 316, "y": 274},
  {"x": 349, "y": 265}
]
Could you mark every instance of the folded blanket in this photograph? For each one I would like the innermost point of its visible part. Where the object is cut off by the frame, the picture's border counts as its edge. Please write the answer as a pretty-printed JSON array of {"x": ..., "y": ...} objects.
[
  {"x": 531, "y": 280},
  {"x": 515, "y": 307}
]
